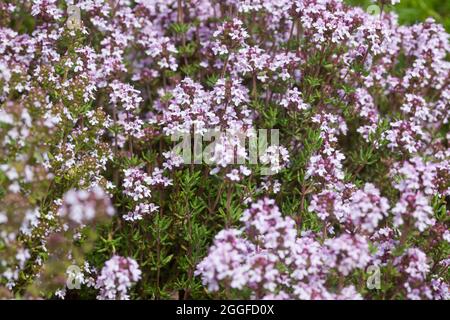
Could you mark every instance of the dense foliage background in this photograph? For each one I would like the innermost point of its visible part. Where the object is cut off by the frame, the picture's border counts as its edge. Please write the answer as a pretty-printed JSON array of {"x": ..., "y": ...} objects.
[
  {"x": 95, "y": 203},
  {"x": 414, "y": 11}
]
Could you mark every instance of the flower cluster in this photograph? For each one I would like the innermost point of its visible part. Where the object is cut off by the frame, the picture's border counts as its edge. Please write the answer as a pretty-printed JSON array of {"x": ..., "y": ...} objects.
[
  {"x": 83, "y": 206},
  {"x": 117, "y": 276},
  {"x": 267, "y": 256}
]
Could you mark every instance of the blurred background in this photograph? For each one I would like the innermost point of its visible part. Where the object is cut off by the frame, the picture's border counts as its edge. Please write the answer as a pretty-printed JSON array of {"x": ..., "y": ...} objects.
[{"x": 411, "y": 11}]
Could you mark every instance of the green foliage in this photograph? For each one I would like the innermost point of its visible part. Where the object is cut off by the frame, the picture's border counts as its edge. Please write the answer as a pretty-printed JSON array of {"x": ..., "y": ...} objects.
[{"x": 413, "y": 11}]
